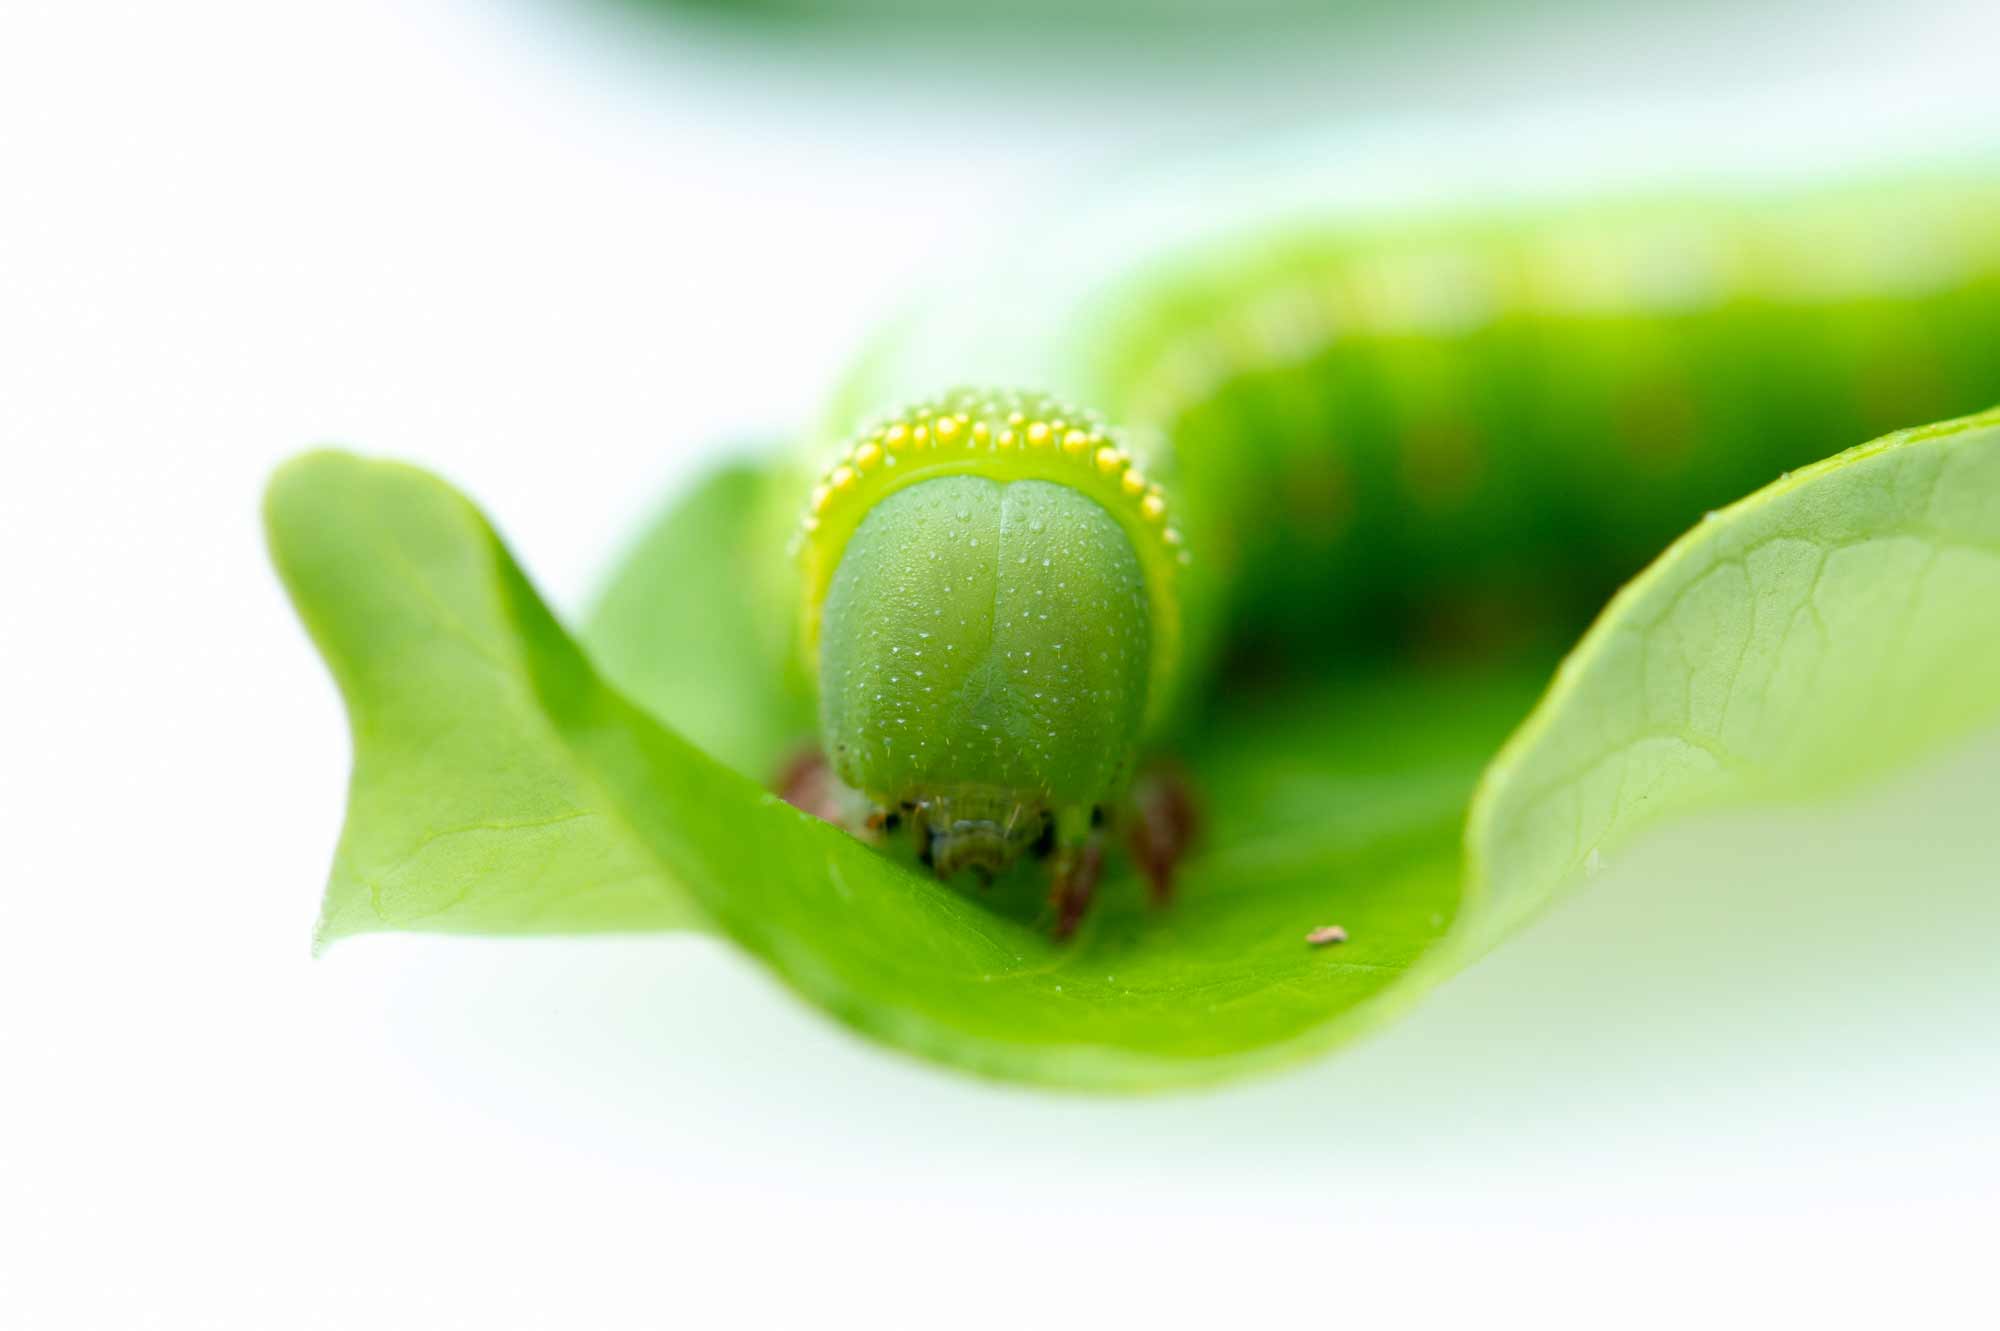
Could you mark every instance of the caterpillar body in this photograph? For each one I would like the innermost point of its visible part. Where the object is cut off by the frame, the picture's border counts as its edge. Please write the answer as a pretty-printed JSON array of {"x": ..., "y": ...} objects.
[{"x": 1333, "y": 437}]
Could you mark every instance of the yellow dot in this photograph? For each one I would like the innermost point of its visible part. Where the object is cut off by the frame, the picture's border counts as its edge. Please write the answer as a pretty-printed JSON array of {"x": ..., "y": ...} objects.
[
  {"x": 1006, "y": 439},
  {"x": 920, "y": 436},
  {"x": 1075, "y": 442},
  {"x": 1153, "y": 507},
  {"x": 1058, "y": 425},
  {"x": 1038, "y": 433},
  {"x": 947, "y": 429},
  {"x": 981, "y": 432},
  {"x": 867, "y": 456},
  {"x": 1015, "y": 418},
  {"x": 811, "y": 525},
  {"x": 898, "y": 438},
  {"x": 821, "y": 497},
  {"x": 842, "y": 478},
  {"x": 1109, "y": 460},
  {"x": 1132, "y": 482}
]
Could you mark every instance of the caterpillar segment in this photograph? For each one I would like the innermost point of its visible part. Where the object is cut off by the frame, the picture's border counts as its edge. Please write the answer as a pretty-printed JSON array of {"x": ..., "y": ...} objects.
[{"x": 991, "y": 611}]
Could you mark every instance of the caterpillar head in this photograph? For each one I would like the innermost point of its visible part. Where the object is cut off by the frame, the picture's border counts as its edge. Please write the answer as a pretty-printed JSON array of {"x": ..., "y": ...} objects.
[{"x": 990, "y": 612}]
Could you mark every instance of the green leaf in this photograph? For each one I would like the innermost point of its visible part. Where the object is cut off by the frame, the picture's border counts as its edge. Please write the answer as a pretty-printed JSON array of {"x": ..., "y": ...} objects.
[
  {"x": 1825, "y": 630},
  {"x": 469, "y": 809},
  {"x": 1340, "y": 804}
]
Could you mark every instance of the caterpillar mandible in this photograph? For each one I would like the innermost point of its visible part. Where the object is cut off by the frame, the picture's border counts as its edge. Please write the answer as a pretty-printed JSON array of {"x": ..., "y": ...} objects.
[{"x": 1007, "y": 596}]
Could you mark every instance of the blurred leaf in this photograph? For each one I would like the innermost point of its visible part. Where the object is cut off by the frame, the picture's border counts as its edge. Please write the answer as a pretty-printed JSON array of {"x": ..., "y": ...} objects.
[
  {"x": 1833, "y": 624},
  {"x": 675, "y": 627},
  {"x": 1165, "y": 20}
]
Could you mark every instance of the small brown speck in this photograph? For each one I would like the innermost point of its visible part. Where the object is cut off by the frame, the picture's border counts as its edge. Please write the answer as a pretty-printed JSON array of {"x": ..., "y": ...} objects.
[{"x": 1327, "y": 933}]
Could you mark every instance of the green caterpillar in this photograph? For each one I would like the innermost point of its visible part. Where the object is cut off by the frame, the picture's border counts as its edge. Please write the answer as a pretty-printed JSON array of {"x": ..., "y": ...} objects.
[{"x": 1465, "y": 430}]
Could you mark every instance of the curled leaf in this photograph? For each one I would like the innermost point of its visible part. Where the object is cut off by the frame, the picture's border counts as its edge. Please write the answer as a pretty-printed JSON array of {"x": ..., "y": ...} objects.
[{"x": 1828, "y": 627}]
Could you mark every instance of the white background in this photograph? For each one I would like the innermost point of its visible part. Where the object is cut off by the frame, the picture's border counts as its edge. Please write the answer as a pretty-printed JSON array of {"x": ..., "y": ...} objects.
[{"x": 1752, "y": 1072}]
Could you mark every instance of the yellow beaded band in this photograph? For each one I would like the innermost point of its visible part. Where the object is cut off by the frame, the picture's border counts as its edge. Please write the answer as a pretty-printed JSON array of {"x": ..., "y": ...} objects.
[{"x": 930, "y": 437}]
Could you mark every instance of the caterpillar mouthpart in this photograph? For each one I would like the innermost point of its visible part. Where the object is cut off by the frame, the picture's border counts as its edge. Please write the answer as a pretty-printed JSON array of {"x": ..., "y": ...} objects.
[{"x": 979, "y": 831}]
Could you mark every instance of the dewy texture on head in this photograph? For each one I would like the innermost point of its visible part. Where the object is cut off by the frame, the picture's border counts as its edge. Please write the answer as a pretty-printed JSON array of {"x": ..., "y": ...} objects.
[
  {"x": 1005, "y": 436},
  {"x": 987, "y": 642}
]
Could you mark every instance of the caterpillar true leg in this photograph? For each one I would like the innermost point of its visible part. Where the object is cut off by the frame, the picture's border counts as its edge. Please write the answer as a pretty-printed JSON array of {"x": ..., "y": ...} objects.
[
  {"x": 1160, "y": 826},
  {"x": 808, "y": 784},
  {"x": 1073, "y": 877}
]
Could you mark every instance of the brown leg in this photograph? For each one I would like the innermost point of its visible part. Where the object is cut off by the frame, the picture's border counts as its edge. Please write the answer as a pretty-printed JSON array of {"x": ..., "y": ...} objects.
[
  {"x": 807, "y": 783},
  {"x": 1162, "y": 826},
  {"x": 1073, "y": 882}
]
